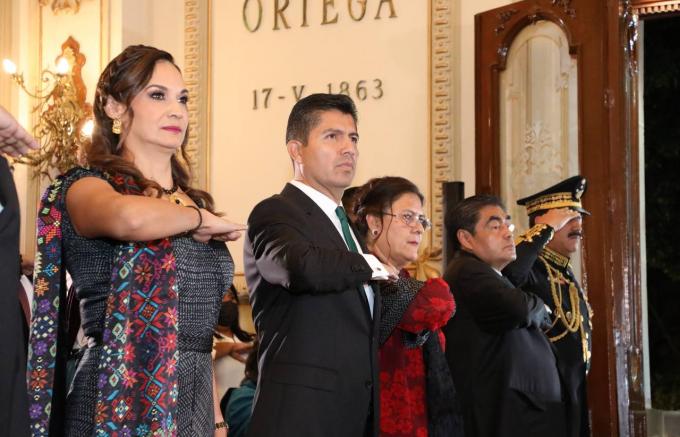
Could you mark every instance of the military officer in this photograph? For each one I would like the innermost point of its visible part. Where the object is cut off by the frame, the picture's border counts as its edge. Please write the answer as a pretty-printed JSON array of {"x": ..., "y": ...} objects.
[{"x": 555, "y": 217}]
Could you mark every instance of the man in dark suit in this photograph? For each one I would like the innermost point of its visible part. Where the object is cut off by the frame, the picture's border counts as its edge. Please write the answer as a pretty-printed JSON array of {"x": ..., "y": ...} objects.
[
  {"x": 543, "y": 267},
  {"x": 14, "y": 141},
  {"x": 501, "y": 362},
  {"x": 315, "y": 313}
]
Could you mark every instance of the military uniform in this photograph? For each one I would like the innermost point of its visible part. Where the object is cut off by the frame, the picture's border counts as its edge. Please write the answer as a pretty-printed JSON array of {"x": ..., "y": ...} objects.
[{"x": 552, "y": 279}]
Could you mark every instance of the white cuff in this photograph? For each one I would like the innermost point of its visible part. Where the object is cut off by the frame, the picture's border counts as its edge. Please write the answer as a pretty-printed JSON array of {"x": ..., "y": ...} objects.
[{"x": 379, "y": 272}]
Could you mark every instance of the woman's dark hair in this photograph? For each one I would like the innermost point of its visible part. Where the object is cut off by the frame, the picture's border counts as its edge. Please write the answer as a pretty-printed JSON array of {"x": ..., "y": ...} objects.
[
  {"x": 377, "y": 195},
  {"x": 125, "y": 77},
  {"x": 229, "y": 317}
]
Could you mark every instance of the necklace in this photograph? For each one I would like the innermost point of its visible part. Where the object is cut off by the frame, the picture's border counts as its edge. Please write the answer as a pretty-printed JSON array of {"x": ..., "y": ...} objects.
[
  {"x": 172, "y": 190},
  {"x": 172, "y": 194}
]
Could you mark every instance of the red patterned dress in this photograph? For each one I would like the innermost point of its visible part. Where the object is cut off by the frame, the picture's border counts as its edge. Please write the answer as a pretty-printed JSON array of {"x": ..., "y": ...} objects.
[{"x": 403, "y": 401}]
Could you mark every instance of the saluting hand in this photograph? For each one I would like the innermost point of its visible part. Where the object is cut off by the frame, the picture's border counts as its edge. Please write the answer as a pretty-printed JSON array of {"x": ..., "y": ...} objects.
[{"x": 557, "y": 218}]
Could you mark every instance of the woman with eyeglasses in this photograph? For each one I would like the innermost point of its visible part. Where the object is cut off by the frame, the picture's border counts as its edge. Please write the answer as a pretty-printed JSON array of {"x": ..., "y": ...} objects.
[{"x": 417, "y": 397}]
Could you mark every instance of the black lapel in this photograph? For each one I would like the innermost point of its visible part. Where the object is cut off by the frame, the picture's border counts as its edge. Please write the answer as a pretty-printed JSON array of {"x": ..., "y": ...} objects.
[
  {"x": 326, "y": 227},
  {"x": 322, "y": 224}
]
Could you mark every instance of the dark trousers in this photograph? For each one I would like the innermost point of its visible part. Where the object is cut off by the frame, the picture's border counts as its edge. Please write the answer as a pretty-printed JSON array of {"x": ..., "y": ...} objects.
[
  {"x": 514, "y": 414},
  {"x": 531, "y": 418}
]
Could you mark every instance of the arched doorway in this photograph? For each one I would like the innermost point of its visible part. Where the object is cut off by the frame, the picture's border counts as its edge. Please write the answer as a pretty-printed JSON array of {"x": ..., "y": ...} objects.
[{"x": 601, "y": 39}]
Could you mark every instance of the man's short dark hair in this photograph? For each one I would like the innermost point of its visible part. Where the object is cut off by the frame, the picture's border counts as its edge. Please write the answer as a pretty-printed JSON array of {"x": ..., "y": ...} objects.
[
  {"x": 465, "y": 215},
  {"x": 306, "y": 113}
]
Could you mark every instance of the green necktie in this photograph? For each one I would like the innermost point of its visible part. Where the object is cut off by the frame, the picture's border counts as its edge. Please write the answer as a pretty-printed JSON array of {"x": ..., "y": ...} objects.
[{"x": 344, "y": 224}]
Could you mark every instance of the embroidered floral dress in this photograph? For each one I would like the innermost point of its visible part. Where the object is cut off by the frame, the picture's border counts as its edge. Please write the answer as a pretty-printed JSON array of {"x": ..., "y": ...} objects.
[
  {"x": 203, "y": 272},
  {"x": 413, "y": 312}
]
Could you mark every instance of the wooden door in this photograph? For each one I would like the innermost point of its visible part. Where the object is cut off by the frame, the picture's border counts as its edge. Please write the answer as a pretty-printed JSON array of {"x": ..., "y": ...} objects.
[{"x": 601, "y": 38}]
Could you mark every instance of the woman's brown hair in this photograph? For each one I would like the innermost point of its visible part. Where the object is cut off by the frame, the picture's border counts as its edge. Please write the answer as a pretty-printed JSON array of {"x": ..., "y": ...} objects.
[
  {"x": 125, "y": 77},
  {"x": 377, "y": 195}
]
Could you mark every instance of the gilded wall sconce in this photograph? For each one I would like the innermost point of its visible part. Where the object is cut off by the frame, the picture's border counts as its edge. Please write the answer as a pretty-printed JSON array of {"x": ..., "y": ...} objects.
[{"x": 64, "y": 122}]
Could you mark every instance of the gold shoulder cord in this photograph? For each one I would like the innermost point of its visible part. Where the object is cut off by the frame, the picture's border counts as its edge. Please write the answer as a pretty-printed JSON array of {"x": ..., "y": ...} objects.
[
  {"x": 571, "y": 320},
  {"x": 529, "y": 235}
]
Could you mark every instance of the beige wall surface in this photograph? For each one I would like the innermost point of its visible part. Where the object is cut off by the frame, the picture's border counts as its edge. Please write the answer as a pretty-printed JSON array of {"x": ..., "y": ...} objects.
[
  {"x": 248, "y": 157},
  {"x": 158, "y": 23}
]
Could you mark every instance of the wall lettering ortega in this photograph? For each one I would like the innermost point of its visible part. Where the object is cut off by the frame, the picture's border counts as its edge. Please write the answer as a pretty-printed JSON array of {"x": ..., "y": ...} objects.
[
  {"x": 261, "y": 15},
  {"x": 277, "y": 15}
]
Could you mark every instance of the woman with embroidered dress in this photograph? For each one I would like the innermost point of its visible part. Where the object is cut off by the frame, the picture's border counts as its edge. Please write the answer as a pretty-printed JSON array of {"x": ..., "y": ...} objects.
[
  {"x": 149, "y": 263},
  {"x": 417, "y": 397}
]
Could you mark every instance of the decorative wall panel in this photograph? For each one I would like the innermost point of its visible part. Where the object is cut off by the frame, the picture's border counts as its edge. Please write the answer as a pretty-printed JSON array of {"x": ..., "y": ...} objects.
[{"x": 538, "y": 113}]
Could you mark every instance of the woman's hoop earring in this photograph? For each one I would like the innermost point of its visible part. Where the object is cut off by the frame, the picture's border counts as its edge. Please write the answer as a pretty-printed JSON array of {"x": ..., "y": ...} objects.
[
  {"x": 117, "y": 126},
  {"x": 374, "y": 232}
]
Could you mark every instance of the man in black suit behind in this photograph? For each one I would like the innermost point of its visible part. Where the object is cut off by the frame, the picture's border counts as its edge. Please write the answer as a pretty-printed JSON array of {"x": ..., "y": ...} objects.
[
  {"x": 315, "y": 313},
  {"x": 14, "y": 141},
  {"x": 501, "y": 361}
]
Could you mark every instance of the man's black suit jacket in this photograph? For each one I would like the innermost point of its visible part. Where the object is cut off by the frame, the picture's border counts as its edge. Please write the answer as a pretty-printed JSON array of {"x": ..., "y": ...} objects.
[
  {"x": 13, "y": 401},
  {"x": 318, "y": 341},
  {"x": 504, "y": 368}
]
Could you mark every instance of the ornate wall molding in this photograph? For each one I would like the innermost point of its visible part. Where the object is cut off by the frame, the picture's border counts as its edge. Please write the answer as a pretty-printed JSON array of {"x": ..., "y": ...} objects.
[
  {"x": 503, "y": 18},
  {"x": 441, "y": 128},
  {"x": 197, "y": 72},
  {"x": 565, "y": 5},
  {"x": 538, "y": 117},
  {"x": 655, "y": 7},
  {"x": 62, "y": 5}
]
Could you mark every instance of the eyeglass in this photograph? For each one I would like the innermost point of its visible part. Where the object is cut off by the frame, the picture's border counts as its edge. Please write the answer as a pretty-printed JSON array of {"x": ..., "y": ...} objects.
[
  {"x": 409, "y": 218},
  {"x": 497, "y": 226}
]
